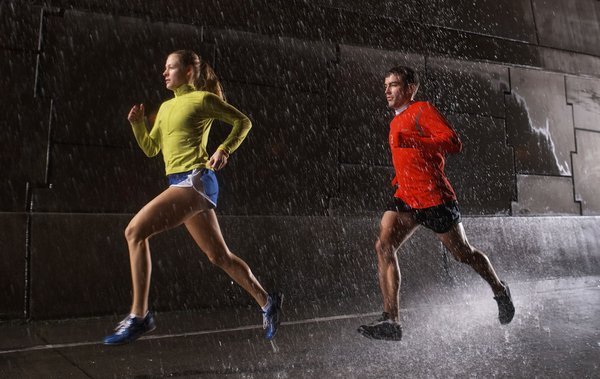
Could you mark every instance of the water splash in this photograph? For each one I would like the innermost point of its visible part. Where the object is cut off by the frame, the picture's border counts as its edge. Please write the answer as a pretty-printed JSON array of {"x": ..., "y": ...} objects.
[{"x": 544, "y": 133}]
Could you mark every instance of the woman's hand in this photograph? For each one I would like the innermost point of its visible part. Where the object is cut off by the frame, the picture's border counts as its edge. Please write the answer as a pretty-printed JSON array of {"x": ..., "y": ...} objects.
[
  {"x": 218, "y": 160},
  {"x": 136, "y": 114}
]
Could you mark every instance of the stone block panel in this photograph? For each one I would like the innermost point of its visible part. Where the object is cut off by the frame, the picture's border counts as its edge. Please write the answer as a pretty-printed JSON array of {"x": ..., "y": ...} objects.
[
  {"x": 99, "y": 179},
  {"x": 468, "y": 87},
  {"x": 529, "y": 248},
  {"x": 19, "y": 25},
  {"x": 586, "y": 171},
  {"x": 295, "y": 18},
  {"x": 511, "y": 19},
  {"x": 13, "y": 227},
  {"x": 79, "y": 265},
  {"x": 584, "y": 95},
  {"x": 313, "y": 260},
  {"x": 24, "y": 136},
  {"x": 363, "y": 190},
  {"x": 292, "y": 64},
  {"x": 544, "y": 195},
  {"x": 18, "y": 74},
  {"x": 406, "y": 11},
  {"x": 23, "y": 127},
  {"x": 122, "y": 66},
  {"x": 483, "y": 173},
  {"x": 300, "y": 256},
  {"x": 539, "y": 123},
  {"x": 357, "y": 102},
  {"x": 287, "y": 164},
  {"x": 423, "y": 265},
  {"x": 272, "y": 17},
  {"x": 568, "y": 62},
  {"x": 568, "y": 25},
  {"x": 379, "y": 32},
  {"x": 477, "y": 47}
]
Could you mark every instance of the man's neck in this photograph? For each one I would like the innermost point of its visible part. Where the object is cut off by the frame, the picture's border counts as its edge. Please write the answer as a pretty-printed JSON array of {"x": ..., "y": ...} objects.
[{"x": 402, "y": 108}]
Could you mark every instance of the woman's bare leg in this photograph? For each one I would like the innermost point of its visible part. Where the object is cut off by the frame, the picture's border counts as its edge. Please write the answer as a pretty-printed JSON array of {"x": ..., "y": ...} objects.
[
  {"x": 204, "y": 228},
  {"x": 168, "y": 210}
]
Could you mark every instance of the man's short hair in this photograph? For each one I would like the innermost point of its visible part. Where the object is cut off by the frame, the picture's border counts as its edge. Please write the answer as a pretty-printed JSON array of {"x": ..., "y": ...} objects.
[{"x": 407, "y": 74}]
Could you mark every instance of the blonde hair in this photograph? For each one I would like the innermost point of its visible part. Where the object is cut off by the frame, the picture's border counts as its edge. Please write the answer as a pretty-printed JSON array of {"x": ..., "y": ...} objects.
[{"x": 204, "y": 76}]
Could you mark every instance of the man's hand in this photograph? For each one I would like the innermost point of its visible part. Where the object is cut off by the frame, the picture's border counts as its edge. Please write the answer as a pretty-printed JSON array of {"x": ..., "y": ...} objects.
[
  {"x": 218, "y": 160},
  {"x": 136, "y": 114}
]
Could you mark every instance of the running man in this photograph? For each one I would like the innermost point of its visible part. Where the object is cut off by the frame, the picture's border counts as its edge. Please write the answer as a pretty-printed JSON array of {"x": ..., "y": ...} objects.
[{"x": 419, "y": 139}]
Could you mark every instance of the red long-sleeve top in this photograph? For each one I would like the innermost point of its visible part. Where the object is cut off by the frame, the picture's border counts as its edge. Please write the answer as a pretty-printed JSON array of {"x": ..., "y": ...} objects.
[{"x": 420, "y": 137}]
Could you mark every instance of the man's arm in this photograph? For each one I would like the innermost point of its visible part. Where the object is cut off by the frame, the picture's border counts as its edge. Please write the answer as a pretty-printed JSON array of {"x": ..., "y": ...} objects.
[{"x": 432, "y": 132}]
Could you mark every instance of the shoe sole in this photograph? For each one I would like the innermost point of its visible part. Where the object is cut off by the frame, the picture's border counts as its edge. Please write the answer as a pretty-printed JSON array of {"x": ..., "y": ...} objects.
[
  {"x": 130, "y": 340},
  {"x": 368, "y": 335}
]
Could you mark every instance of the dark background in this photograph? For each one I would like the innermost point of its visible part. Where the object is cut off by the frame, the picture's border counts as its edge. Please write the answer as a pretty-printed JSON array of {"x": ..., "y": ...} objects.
[{"x": 300, "y": 200}]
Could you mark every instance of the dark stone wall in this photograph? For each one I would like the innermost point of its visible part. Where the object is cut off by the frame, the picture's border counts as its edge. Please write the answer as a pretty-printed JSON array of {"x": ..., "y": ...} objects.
[{"x": 519, "y": 80}]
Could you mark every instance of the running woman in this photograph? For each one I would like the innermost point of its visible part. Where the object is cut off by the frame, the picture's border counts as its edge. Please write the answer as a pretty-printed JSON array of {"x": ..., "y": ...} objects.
[
  {"x": 419, "y": 139},
  {"x": 181, "y": 131}
]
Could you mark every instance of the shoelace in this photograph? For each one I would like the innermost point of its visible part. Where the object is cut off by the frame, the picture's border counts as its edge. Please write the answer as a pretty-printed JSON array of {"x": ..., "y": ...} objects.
[
  {"x": 124, "y": 325},
  {"x": 384, "y": 317}
]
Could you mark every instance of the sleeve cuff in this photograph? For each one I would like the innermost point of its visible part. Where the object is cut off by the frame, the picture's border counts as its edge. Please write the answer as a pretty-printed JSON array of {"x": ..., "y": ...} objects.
[{"x": 224, "y": 149}]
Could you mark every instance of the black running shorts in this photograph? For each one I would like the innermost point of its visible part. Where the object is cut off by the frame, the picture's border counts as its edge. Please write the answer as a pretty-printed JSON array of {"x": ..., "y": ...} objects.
[{"x": 439, "y": 218}]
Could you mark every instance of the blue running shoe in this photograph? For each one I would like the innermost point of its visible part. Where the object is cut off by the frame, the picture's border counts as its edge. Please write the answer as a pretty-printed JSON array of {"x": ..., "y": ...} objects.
[
  {"x": 130, "y": 329},
  {"x": 272, "y": 316}
]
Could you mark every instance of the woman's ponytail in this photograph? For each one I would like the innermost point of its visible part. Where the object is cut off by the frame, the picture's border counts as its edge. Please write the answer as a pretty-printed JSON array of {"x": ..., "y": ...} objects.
[
  {"x": 208, "y": 81},
  {"x": 204, "y": 76}
]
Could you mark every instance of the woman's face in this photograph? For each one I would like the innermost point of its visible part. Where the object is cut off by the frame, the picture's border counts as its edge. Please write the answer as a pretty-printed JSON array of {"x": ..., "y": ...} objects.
[{"x": 175, "y": 74}]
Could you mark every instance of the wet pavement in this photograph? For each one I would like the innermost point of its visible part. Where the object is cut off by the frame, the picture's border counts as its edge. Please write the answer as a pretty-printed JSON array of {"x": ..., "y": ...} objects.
[{"x": 555, "y": 333}]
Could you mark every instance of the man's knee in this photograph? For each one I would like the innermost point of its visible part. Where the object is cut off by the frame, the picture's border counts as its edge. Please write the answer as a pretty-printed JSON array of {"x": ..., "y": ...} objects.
[
  {"x": 464, "y": 254},
  {"x": 384, "y": 248}
]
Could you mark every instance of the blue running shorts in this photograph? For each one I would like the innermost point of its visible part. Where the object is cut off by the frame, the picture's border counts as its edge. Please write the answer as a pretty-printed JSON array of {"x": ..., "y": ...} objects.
[{"x": 203, "y": 180}]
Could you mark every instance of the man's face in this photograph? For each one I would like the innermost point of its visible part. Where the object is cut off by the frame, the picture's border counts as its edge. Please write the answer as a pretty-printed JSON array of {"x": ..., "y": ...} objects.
[{"x": 397, "y": 93}]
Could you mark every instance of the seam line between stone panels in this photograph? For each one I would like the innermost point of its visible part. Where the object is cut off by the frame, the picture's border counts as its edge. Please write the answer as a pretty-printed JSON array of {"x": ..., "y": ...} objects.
[
  {"x": 575, "y": 152},
  {"x": 515, "y": 197},
  {"x": 535, "y": 27}
]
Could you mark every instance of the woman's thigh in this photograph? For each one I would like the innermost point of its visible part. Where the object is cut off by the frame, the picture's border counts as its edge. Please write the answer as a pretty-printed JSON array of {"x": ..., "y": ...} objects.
[
  {"x": 205, "y": 230},
  {"x": 169, "y": 209}
]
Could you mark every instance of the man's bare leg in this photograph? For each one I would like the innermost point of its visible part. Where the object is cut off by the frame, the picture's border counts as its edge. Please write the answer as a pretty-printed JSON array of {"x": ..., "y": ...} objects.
[
  {"x": 456, "y": 241},
  {"x": 395, "y": 229}
]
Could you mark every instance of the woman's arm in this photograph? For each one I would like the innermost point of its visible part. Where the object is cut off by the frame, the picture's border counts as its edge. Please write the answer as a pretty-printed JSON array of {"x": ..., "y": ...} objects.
[
  {"x": 146, "y": 141},
  {"x": 218, "y": 109}
]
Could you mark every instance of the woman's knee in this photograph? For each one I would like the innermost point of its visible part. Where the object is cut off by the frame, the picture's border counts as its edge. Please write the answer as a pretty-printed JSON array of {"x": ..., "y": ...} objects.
[
  {"x": 134, "y": 232},
  {"x": 220, "y": 259}
]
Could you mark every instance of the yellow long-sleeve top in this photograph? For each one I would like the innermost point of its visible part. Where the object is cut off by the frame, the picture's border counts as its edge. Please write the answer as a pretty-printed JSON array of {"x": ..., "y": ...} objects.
[{"x": 182, "y": 126}]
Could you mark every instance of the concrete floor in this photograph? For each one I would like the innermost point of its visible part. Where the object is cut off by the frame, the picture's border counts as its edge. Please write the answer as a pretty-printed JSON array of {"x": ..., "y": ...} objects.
[{"x": 555, "y": 333}]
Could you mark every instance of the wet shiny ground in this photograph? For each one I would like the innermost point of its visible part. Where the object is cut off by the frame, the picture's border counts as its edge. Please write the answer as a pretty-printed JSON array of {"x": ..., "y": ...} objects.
[{"x": 555, "y": 333}]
